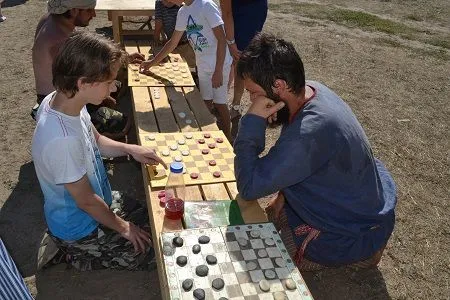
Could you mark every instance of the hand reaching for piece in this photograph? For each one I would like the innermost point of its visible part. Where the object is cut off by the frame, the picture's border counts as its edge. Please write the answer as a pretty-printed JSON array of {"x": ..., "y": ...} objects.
[
  {"x": 145, "y": 155},
  {"x": 136, "y": 58},
  {"x": 145, "y": 66}
]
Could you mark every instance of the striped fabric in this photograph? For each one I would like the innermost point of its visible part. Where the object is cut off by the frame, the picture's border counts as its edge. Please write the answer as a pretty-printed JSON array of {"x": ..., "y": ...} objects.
[{"x": 12, "y": 286}]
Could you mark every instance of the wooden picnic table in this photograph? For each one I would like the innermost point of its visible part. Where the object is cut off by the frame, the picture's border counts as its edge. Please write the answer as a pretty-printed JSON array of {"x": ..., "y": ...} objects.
[
  {"x": 117, "y": 9},
  {"x": 162, "y": 116}
]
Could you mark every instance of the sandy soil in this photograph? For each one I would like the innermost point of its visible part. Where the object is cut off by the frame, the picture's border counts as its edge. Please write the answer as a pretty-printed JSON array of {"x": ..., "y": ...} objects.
[{"x": 399, "y": 92}]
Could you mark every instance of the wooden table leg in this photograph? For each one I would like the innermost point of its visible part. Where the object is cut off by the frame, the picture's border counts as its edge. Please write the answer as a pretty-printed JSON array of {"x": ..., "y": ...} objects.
[{"x": 116, "y": 26}]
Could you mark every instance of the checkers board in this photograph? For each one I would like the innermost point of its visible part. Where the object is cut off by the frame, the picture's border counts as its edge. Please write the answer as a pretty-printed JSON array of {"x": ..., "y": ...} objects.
[
  {"x": 245, "y": 255},
  {"x": 176, "y": 73},
  {"x": 207, "y": 156}
]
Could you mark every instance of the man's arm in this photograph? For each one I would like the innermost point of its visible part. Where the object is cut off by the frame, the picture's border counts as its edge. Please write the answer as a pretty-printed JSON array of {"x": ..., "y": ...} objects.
[
  {"x": 111, "y": 148},
  {"x": 287, "y": 163},
  {"x": 227, "y": 16},
  {"x": 92, "y": 204},
  {"x": 158, "y": 30},
  {"x": 217, "y": 78}
]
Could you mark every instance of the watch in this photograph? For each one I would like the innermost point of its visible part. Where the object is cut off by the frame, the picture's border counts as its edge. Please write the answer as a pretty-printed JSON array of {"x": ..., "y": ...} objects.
[{"x": 231, "y": 42}]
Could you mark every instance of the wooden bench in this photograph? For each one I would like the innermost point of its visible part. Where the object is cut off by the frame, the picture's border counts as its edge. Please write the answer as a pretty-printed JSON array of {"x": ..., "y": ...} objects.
[{"x": 162, "y": 116}]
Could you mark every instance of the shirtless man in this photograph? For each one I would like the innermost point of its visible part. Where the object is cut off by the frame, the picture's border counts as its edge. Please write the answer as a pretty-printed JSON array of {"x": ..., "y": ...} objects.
[{"x": 52, "y": 31}]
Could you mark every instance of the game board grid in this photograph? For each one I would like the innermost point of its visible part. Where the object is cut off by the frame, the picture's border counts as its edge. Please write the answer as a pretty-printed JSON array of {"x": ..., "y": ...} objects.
[
  {"x": 165, "y": 74},
  {"x": 239, "y": 283},
  {"x": 196, "y": 161}
]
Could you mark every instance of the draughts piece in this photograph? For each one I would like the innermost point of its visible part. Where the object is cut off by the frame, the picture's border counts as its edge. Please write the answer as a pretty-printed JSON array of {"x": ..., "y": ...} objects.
[
  {"x": 165, "y": 74},
  {"x": 210, "y": 165},
  {"x": 182, "y": 115},
  {"x": 178, "y": 158}
]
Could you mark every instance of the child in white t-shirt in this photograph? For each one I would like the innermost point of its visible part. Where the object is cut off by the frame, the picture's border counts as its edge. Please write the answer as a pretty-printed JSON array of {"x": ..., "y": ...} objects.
[
  {"x": 202, "y": 21},
  {"x": 67, "y": 154}
]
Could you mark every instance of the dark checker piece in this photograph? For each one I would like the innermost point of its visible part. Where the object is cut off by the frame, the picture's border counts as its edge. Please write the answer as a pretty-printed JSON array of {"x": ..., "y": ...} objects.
[
  {"x": 199, "y": 294},
  {"x": 181, "y": 260},
  {"x": 177, "y": 241},
  {"x": 211, "y": 259},
  {"x": 218, "y": 284},
  {"x": 204, "y": 239},
  {"x": 201, "y": 270},
  {"x": 196, "y": 249},
  {"x": 187, "y": 284}
]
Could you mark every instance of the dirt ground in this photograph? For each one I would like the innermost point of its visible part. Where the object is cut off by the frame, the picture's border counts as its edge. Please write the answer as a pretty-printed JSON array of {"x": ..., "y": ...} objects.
[{"x": 398, "y": 87}]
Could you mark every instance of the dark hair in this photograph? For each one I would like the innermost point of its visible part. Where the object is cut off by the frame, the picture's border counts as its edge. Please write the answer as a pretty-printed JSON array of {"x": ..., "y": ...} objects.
[
  {"x": 67, "y": 14},
  {"x": 85, "y": 55},
  {"x": 268, "y": 58}
]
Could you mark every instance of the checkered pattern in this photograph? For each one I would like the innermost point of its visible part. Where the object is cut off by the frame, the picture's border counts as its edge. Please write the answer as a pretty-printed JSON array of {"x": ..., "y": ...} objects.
[
  {"x": 164, "y": 74},
  {"x": 196, "y": 161},
  {"x": 232, "y": 260}
]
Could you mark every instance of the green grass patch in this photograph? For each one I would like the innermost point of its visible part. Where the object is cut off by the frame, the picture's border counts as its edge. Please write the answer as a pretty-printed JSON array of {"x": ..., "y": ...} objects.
[
  {"x": 439, "y": 43},
  {"x": 414, "y": 18},
  {"x": 436, "y": 53},
  {"x": 361, "y": 20},
  {"x": 349, "y": 18}
]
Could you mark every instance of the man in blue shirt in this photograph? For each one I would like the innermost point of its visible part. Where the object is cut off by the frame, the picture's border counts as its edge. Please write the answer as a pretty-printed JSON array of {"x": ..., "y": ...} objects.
[{"x": 335, "y": 199}]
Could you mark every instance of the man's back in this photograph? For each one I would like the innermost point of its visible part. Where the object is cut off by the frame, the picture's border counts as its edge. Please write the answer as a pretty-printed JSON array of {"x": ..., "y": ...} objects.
[{"x": 49, "y": 36}]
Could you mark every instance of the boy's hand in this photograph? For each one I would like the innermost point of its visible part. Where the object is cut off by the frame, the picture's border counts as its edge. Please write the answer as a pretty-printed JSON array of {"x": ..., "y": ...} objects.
[
  {"x": 136, "y": 58},
  {"x": 146, "y": 65},
  {"x": 138, "y": 237},
  {"x": 145, "y": 155},
  {"x": 217, "y": 79},
  {"x": 265, "y": 107}
]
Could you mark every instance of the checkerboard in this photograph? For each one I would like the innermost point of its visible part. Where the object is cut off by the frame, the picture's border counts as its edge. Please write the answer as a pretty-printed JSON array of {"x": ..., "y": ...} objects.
[
  {"x": 219, "y": 152},
  {"x": 174, "y": 73},
  {"x": 232, "y": 264}
]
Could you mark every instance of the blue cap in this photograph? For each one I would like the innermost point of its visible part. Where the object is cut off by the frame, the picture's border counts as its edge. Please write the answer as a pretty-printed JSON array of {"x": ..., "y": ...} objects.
[{"x": 176, "y": 167}]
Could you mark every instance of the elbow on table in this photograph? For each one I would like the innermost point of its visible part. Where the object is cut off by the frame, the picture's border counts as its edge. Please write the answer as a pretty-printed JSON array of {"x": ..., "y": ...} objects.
[{"x": 247, "y": 193}]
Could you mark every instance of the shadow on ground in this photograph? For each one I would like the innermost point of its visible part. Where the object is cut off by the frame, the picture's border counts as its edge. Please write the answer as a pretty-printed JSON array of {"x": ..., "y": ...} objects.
[
  {"x": 22, "y": 223},
  {"x": 355, "y": 284},
  {"x": 12, "y": 3}
]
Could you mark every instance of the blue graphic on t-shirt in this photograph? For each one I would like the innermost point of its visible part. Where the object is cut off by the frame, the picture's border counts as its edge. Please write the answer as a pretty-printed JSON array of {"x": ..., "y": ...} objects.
[{"x": 196, "y": 38}]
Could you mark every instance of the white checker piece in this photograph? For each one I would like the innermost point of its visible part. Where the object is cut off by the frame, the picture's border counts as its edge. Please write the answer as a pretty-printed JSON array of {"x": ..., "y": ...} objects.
[{"x": 232, "y": 260}]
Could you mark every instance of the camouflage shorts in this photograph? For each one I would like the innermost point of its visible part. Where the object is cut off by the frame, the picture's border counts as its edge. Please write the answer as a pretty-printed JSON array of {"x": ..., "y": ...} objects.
[{"x": 106, "y": 248}]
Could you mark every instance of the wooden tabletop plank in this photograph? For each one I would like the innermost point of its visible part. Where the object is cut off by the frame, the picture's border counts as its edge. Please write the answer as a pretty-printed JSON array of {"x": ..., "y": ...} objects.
[
  {"x": 204, "y": 118},
  {"x": 215, "y": 191},
  {"x": 131, "y": 46},
  {"x": 163, "y": 111},
  {"x": 144, "y": 115},
  {"x": 232, "y": 189},
  {"x": 145, "y": 47},
  {"x": 125, "y": 5},
  {"x": 180, "y": 106}
]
